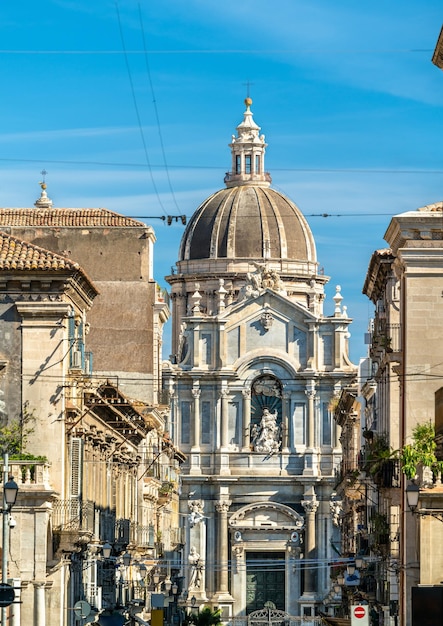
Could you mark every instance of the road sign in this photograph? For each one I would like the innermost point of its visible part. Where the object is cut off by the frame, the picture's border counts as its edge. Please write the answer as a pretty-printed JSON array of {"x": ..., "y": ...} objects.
[
  {"x": 360, "y": 615},
  {"x": 7, "y": 594},
  {"x": 82, "y": 609}
]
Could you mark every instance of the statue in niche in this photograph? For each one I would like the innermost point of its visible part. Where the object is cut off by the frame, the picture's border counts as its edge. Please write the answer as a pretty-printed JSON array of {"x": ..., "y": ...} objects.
[{"x": 266, "y": 436}]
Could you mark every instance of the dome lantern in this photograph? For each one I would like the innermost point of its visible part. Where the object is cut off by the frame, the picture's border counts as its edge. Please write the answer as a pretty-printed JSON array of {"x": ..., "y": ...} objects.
[{"x": 248, "y": 154}]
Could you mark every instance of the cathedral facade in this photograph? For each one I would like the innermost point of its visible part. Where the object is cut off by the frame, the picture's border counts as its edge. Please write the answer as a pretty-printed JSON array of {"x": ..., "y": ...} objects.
[{"x": 255, "y": 369}]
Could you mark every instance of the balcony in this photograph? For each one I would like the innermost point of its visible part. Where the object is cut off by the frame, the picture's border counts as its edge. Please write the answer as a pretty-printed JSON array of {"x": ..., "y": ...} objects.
[
  {"x": 73, "y": 524},
  {"x": 386, "y": 337},
  {"x": 30, "y": 473}
]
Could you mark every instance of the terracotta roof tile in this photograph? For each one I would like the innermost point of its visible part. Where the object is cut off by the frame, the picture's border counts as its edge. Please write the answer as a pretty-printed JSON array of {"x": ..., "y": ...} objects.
[
  {"x": 16, "y": 254},
  {"x": 66, "y": 217}
]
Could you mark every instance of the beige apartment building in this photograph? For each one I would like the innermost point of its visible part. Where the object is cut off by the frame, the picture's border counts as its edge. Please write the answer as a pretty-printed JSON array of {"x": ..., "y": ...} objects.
[
  {"x": 404, "y": 282},
  {"x": 98, "y": 476}
]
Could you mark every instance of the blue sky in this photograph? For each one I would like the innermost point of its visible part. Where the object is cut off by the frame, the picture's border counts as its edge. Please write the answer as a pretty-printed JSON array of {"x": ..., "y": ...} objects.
[{"x": 103, "y": 94}]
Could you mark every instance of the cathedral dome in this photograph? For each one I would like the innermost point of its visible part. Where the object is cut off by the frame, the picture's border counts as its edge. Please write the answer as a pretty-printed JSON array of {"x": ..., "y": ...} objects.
[{"x": 248, "y": 219}]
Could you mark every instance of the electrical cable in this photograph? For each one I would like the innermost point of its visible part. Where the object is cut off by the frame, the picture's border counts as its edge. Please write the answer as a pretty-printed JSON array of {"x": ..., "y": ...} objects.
[
  {"x": 154, "y": 102},
  {"x": 137, "y": 112}
]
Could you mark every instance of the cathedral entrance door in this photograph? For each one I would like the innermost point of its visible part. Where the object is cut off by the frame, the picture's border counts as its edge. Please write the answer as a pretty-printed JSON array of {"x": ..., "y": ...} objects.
[{"x": 265, "y": 580}]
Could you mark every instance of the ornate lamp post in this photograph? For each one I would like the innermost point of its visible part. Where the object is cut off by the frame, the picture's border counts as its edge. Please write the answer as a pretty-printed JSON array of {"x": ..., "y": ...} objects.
[{"x": 10, "y": 490}]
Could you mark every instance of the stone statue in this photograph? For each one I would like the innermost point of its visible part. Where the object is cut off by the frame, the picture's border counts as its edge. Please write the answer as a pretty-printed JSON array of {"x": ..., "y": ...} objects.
[
  {"x": 262, "y": 278},
  {"x": 266, "y": 437},
  {"x": 196, "y": 569}
]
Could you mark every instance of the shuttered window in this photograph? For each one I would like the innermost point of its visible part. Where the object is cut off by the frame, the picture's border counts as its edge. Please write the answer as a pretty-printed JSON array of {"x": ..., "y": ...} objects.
[{"x": 76, "y": 462}]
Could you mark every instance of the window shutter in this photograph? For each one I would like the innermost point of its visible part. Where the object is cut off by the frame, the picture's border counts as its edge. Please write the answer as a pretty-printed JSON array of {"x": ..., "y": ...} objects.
[{"x": 76, "y": 454}]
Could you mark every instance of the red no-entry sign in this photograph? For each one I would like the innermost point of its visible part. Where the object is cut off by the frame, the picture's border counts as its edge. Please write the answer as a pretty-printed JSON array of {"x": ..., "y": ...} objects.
[{"x": 359, "y": 615}]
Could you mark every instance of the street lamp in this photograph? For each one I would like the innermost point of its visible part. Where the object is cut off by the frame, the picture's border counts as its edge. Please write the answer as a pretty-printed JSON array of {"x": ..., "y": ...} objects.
[
  {"x": 350, "y": 569},
  {"x": 10, "y": 490},
  {"x": 126, "y": 558},
  {"x": 359, "y": 562},
  {"x": 106, "y": 550},
  {"x": 412, "y": 495},
  {"x": 156, "y": 578}
]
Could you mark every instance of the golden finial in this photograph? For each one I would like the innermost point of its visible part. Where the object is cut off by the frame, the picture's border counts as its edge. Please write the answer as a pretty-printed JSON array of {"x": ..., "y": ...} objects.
[{"x": 42, "y": 183}]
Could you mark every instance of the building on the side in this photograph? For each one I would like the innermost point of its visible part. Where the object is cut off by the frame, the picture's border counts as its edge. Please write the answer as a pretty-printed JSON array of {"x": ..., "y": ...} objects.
[
  {"x": 129, "y": 312},
  {"x": 98, "y": 475},
  {"x": 403, "y": 391},
  {"x": 255, "y": 365}
]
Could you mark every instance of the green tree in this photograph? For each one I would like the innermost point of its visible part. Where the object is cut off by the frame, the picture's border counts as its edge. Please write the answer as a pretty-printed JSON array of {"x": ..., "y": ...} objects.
[
  {"x": 205, "y": 617},
  {"x": 14, "y": 434},
  {"x": 421, "y": 452}
]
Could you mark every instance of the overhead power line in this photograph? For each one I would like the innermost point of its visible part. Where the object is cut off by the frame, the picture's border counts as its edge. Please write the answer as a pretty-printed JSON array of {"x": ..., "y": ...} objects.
[
  {"x": 137, "y": 112},
  {"x": 157, "y": 117},
  {"x": 320, "y": 51},
  {"x": 190, "y": 166}
]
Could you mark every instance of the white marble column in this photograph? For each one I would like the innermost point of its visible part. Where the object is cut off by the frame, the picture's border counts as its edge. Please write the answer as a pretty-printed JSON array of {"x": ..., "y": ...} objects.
[
  {"x": 310, "y": 506},
  {"x": 286, "y": 403},
  {"x": 222, "y": 508},
  {"x": 171, "y": 424},
  {"x": 311, "y": 454},
  {"x": 238, "y": 577},
  {"x": 196, "y": 392},
  {"x": 310, "y": 393},
  {"x": 224, "y": 418},
  {"x": 39, "y": 603},
  {"x": 15, "y": 606},
  {"x": 246, "y": 420}
]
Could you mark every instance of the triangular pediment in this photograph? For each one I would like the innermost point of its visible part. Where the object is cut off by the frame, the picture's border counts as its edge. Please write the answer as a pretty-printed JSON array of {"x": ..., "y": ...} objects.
[{"x": 281, "y": 306}]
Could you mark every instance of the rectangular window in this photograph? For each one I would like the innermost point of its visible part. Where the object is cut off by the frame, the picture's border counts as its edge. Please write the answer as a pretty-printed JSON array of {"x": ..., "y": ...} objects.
[
  {"x": 248, "y": 163},
  {"x": 233, "y": 425},
  {"x": 238, "y": 164},
  {"x": 257, "y": 164},
  {"x": 327, "y": 349},
  {"x": 326, "y": 425},
  {"x": 206, "y": 422},
  {"x": 299, "y": 423},
  {"x": 186, "y": 422},
  {"x": 206, "y": 349}
]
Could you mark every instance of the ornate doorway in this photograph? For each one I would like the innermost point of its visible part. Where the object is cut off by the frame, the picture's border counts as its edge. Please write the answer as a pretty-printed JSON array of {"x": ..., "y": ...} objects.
[{"x": 265, "y": 580}]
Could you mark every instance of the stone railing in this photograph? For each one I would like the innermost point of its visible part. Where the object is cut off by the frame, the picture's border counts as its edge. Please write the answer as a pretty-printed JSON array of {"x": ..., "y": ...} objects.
[{"x": 29, "y": 472}]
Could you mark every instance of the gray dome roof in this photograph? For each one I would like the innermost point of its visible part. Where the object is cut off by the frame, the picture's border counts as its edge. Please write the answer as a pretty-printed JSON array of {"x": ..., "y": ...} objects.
[{"x": 248, "y": 222}]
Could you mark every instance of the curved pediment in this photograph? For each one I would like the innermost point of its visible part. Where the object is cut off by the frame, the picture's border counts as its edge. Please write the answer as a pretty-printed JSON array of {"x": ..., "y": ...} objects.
[{"x": 270, "y": 515}]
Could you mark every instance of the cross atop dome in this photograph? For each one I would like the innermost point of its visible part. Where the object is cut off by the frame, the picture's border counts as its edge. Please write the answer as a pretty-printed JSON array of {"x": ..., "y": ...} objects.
[
  {"x": 44, "y": 202},
  {"x": 248, "y": 153}
]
